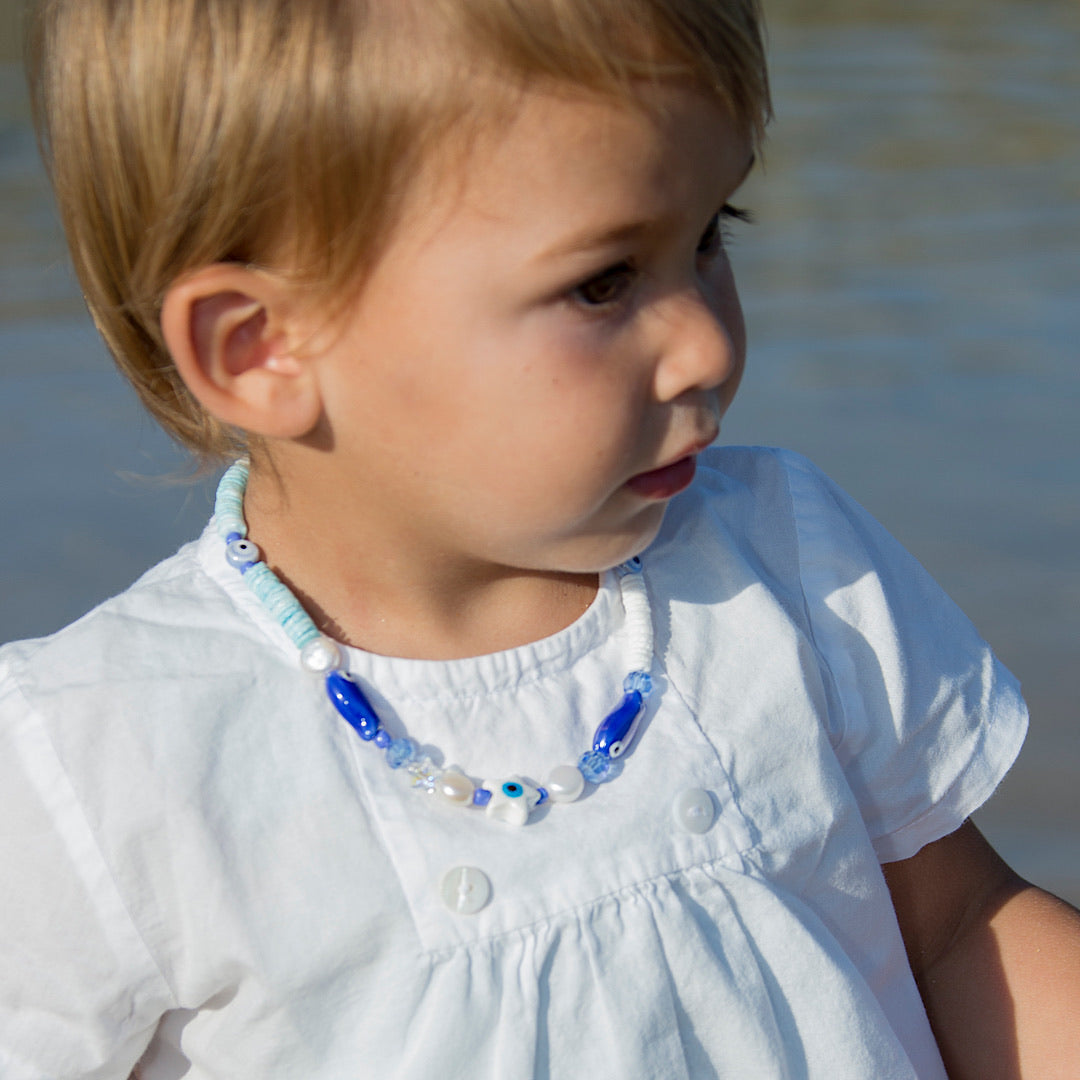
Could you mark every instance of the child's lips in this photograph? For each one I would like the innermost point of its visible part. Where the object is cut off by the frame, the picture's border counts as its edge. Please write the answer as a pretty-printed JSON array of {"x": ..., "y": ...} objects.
[{"x": 666, "y": 481}]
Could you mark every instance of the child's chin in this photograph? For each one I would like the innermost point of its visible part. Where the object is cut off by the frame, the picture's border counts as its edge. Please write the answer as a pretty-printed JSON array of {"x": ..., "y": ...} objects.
[{"x": 631, "y": 546}]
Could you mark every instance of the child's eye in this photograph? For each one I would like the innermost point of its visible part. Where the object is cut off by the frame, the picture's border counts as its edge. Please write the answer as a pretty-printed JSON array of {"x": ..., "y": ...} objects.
[
  {"x": 607, "y": 287},
  {"x": 716, "y": 235}
]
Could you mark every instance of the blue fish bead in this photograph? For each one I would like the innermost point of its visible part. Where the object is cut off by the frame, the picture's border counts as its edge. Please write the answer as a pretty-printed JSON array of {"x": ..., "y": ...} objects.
[
  {"x": 617, "y": 731},
  {"x": 349, "y": 700}
]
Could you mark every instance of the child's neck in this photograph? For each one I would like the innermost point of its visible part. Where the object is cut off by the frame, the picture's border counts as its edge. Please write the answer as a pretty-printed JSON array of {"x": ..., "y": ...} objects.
[{"x": 376, "y": 593}]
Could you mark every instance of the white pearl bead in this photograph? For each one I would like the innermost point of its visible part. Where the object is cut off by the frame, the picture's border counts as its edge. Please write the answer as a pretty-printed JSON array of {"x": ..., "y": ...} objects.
[
  {"x": 565, "y": 783},
  {"x": 455, "y": 788},
  {"x": 320, "y": 656}
]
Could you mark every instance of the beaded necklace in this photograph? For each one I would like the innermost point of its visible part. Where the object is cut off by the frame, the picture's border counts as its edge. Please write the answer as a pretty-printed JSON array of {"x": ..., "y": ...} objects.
[{"x": 510, "y": 800}]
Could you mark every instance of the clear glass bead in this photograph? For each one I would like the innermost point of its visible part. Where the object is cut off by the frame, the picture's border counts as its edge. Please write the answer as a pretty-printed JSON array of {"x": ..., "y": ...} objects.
[{"x": 424, "y": 773}]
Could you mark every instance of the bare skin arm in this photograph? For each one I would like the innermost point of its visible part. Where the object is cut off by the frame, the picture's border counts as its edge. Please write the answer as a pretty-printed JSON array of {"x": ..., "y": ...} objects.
[{"x": 996, "y": 959}]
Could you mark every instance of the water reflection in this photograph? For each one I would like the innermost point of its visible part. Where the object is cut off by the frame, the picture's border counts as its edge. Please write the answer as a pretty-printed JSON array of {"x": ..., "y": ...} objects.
[{"x": 911, "y": 288}]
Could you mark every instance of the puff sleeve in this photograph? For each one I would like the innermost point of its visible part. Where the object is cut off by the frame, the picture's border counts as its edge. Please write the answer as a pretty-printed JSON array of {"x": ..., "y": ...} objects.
[{"x": 926, "y": 720}]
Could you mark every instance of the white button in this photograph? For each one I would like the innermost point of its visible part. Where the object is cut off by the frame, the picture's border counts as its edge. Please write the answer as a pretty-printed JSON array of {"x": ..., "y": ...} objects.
[
  {"x": 694, "y": 810},
  {"x": 465, "y": 890}
]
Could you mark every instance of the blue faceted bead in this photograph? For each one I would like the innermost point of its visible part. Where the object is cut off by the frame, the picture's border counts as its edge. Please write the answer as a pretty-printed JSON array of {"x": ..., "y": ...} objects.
[
  {"x": 595, "y": 766},
  {"x": 641, "y": 681},
  {"x": 400, "y": 752},
  {"x": 349, "y": 700}
]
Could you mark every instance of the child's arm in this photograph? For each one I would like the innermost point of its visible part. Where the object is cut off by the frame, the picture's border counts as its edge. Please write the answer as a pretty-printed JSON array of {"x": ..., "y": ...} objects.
[{"x": 997, "y": 961}]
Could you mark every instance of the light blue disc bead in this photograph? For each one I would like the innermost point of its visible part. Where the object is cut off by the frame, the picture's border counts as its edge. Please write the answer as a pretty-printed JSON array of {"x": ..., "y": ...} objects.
[
  {"x": 595, "y": 766},
  {"x": 640, "y": 681},
  {"x": 400, "y": 752},
  {"x": 382, "y": 739}
]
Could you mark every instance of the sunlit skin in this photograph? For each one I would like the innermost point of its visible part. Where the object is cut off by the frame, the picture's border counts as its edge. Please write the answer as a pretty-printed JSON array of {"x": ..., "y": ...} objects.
[{"x": 544, "y": 333}]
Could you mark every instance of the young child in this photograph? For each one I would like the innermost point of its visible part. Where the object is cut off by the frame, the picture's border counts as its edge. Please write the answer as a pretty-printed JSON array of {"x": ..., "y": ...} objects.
[{"x": 452, "y": 276}]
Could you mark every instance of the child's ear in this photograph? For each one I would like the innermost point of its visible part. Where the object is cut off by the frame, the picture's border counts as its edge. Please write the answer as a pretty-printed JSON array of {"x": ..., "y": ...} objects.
[{"x": 227, "y": 329}]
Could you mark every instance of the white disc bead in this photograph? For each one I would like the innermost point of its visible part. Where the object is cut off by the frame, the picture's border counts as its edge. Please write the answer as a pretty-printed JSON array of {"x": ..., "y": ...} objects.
[
  {"x": 635, "y": 600},
  {"x": 565, "y": 783},
  {"x": 455, "y": 788}
]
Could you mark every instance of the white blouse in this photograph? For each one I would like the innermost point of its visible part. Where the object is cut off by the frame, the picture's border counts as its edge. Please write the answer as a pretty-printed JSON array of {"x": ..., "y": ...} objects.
[{"x": 204, "y": 868}]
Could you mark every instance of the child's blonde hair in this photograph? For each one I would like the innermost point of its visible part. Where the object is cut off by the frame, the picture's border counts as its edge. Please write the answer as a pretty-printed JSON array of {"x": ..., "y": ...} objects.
[{"x": 181, "y": 133}]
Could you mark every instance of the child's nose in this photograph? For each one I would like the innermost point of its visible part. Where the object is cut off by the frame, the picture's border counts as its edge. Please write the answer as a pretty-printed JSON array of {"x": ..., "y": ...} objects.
[{"x": 700, "y": 353}]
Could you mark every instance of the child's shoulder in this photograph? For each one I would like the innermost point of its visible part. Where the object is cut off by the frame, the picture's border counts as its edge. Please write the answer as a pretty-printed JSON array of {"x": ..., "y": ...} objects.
[{"x": 169, "y": 621}]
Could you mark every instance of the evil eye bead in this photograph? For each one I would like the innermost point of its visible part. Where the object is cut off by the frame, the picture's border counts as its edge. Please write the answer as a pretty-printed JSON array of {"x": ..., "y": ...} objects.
[
  {"x": 241, "y": 554},
  {"x": 512, "y": 800},
  {"x": 595, "y": 766},
  {"x": 454, "y": 788},
  {"x": 400, "y": 752},
  {"x": 320, "y": 656},
  {"x": 565, "y": 783}
]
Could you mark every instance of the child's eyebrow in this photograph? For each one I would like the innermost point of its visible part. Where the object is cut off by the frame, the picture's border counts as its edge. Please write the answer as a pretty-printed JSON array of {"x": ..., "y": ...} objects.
[{"x": 589, "y": 240}]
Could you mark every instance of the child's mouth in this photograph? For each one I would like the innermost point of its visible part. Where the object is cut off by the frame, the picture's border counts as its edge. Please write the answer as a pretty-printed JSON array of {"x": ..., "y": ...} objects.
[{"x": 665, "y": 482}]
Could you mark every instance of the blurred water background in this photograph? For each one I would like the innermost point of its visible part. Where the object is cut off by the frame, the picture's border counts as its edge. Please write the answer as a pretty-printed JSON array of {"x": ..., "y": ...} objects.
[{"x": 912, "y": 287}]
